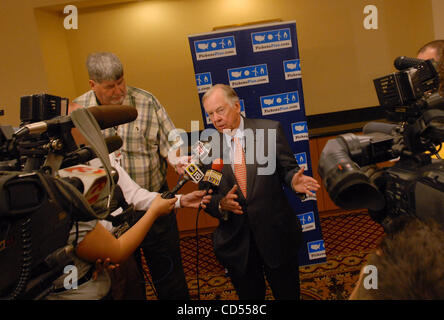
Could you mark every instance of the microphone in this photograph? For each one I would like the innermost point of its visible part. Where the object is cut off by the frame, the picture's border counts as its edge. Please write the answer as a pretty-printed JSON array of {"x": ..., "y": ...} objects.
[
  {"x": 200, "y": 151},
  {"x": 107, "y": 116},
  {"x": 379, "y": 127},
  {"x": 86, "y": 153},
  {"x": 90, "y": 181},
  {"x": 403, "y": 62},
  {"x": 213, "y": 176},
  {"x": 192, "y": 173}
]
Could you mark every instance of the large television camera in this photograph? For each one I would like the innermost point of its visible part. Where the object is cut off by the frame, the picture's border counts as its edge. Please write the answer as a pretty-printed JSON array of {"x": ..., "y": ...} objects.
[
  {"x": 413, "y": 185},
  {"x": 44, "y": 189}
]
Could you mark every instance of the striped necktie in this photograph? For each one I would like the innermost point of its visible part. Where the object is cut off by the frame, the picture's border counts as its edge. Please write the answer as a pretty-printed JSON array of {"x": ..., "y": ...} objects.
[{"x": 240, "y": 169}]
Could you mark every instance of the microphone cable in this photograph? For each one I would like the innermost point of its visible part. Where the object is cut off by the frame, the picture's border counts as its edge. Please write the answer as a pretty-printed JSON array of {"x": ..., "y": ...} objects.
[{"x": 197, "y": 251}]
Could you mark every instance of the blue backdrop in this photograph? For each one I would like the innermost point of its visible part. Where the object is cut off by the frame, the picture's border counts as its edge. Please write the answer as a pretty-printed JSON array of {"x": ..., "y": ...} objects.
[{"x": 262, "y": 64}]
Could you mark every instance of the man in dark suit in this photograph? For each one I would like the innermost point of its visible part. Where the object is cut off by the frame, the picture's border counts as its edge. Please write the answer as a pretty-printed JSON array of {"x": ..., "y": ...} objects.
[{"x": 258, "y": 231}]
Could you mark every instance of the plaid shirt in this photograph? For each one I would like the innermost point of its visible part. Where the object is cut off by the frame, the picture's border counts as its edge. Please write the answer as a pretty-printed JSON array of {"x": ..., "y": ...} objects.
[{"x": 145, "y": 140}]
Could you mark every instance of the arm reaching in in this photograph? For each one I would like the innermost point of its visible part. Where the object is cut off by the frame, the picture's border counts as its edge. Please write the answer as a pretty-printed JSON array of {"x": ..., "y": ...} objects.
[{"x": 100, "y": 244}]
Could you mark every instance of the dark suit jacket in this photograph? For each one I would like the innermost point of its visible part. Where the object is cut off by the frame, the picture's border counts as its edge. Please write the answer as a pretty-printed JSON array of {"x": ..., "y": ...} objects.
[{"x": 267, "y": 213}]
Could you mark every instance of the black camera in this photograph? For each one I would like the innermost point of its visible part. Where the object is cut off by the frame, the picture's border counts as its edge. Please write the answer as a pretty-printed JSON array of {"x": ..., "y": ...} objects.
[
  {"x": 39, "y": 107},
  {"x": 414, "y": 184},
  {"x": 38, "y": 207}
]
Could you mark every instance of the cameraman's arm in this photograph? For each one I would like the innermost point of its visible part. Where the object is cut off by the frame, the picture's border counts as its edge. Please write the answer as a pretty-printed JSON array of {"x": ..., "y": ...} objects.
[{"x": 100, "y": 244}]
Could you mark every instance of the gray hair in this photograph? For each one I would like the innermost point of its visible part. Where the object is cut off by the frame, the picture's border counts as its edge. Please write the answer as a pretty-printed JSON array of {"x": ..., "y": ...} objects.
[
  {"x": 229, "y": 93},
  {"x": 104, "y": 66}
]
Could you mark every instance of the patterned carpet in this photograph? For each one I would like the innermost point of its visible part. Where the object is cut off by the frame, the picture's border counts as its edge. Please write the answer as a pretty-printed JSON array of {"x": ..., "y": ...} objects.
[{"x": 349, "y": 238}]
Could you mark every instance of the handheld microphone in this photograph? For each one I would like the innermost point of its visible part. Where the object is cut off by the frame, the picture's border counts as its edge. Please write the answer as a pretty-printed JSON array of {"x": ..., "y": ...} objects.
[
  {"x": 213, "y": 176},
  {"x": 200, "y": 151},
  {"x": 192, "y": 173},
  {"x": 107, "y": 116},
  {"x": 86, "y": 153}
]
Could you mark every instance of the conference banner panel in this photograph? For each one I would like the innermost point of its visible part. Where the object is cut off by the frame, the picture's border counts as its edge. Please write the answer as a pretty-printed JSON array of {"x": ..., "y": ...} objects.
[{"x": 262, "y": 64}]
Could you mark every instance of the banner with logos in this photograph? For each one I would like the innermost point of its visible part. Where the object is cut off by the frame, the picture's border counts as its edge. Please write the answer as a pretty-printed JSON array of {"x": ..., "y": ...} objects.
[{"x": 262, "y": 64}]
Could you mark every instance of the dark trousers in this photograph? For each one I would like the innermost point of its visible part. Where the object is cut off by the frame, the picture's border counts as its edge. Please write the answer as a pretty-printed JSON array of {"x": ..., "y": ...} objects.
[
  {"x": 284, "y": 280},
  {"x": 161, "y": 248},
  {"x": 127, "y": 282}
]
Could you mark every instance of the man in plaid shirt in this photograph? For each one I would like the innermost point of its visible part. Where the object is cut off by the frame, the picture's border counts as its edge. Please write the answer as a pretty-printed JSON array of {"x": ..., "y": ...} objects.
[{"x": 144, "y": 155}]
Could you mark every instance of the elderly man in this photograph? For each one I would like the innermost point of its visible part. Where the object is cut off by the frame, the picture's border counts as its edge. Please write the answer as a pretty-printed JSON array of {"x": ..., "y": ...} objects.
[
  {"x": 258, "y": 230},
  {"x": 144, "y": 156}
]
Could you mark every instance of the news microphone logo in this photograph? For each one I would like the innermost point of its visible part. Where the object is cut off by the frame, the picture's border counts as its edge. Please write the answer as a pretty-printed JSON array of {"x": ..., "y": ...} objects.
[
  {"x": 93, "y": 180},
  {"x": 213, "y": 177},
  {"x": 194, "y": 172},
  {"x": 200, "y": 151}
]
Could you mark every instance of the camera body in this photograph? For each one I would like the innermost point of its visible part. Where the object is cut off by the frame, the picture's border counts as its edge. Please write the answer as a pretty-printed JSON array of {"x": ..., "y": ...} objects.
[
  {"x": 39, "y": 107},
  {"x": 413, "y": 186},
  {"x": 39, "y": 207}
]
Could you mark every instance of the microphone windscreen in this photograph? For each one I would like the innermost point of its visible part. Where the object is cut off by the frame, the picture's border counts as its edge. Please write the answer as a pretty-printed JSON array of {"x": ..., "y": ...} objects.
[
  {"x": 380, "y": 127},
  {"x": 217, "y": 165},
  {"x": 113, "y": 143},
  {"x": 108, "y": 116},
  {"x": 402, "y": 63}
]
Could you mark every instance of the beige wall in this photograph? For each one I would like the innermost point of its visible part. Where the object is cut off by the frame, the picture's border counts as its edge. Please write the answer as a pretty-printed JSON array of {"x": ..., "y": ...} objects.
[
  {"x": 438, "y": 18},
  {"x": 339, "y": 57}
]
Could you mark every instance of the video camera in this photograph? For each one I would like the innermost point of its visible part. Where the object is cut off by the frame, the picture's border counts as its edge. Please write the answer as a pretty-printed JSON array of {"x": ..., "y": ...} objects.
[
  {"x": 414, "y": 185},
  {"x": 44, "y": 189}
]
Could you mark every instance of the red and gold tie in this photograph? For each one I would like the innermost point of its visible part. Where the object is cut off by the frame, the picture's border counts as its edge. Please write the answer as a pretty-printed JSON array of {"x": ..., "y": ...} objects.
[{"x": 240, "y": 169}]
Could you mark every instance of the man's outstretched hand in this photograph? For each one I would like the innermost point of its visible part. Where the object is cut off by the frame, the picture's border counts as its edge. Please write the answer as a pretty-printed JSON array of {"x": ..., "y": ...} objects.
[{"x": 304, "y": 184}]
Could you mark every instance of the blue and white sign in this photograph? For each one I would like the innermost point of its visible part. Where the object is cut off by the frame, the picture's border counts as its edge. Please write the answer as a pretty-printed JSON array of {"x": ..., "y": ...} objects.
[
  {"x": 248, "y": 75},
  {"x": 299, "y": 131},
  {"x": 203, "y": 81},
  {"x": 262, "y": 63},
  {"x": 307, "y": 221},
  {"x": 215, "y": 48},
  {"x": 281, "y": 102},
  {"x": 271, "y": 40},
  {"x": 301, "y": 158},
  {"x": 242, "y": 105},
  {"x": 316, "y": 249},
  {"x": 292, "y": 69},
  {"x": 310, "y": 197}
]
